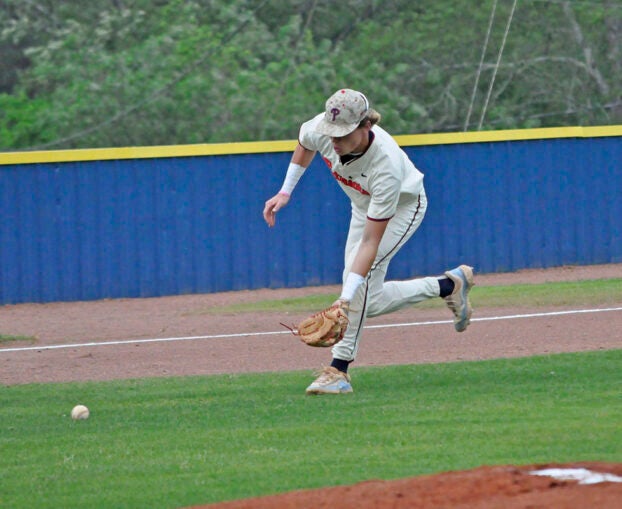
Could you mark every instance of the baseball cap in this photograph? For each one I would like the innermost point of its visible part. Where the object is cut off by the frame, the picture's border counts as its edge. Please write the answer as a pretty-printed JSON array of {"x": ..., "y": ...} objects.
[{"x": 344, "y": 111}]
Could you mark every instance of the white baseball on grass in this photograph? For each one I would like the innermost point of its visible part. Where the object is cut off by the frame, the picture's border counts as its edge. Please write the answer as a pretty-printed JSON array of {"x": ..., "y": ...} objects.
[{"x": 79, "y": 413}]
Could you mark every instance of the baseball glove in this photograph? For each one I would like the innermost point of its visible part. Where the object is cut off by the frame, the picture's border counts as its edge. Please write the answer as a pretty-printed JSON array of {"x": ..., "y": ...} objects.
[{"x": 323, "y": 329}]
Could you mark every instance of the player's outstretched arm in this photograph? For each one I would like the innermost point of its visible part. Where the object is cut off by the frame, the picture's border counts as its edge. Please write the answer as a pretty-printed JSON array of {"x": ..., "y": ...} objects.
[{"x": 301, "y": 158}]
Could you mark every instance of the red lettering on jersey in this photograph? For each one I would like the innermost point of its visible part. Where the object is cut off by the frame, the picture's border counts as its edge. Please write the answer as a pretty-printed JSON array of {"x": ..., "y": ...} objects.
[
  {"x": 350, "y": 183},
  {"x": 328, "y": 163}
]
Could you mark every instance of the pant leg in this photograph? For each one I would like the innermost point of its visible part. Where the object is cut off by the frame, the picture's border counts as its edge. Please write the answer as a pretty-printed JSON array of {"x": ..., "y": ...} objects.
[
  {"x": 395, "y": 295},
  {"x": 400, "y": 228}
]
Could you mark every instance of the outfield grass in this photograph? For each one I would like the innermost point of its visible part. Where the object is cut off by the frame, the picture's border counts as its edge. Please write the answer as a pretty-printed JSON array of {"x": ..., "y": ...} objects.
[
  {"x": 5, "y": 338},
  {"x": 567, "y": 293},
  {"x": 172, "y": 442}
]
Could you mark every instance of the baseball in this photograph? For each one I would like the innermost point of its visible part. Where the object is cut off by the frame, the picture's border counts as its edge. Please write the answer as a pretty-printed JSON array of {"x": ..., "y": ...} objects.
[{"x": 79, "y": 413}]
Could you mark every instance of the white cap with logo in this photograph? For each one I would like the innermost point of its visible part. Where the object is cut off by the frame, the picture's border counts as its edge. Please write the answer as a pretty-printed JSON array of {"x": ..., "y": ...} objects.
[{"x": 344, "y": 111}]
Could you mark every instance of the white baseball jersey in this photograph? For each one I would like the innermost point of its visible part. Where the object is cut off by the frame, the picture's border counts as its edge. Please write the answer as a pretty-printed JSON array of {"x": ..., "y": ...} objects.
[{"x": 378, "y": 181}]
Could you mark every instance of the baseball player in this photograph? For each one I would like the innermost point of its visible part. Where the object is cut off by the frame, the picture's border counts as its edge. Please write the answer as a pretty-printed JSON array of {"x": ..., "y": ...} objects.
[{"x": 388, "y": 204}]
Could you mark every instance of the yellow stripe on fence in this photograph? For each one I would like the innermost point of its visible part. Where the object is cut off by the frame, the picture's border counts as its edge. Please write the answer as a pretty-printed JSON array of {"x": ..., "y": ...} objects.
[{"x": 210, "y": 149}]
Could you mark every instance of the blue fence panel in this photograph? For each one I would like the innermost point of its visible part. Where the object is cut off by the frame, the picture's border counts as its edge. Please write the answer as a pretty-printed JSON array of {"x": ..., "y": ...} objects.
[
  {"x": 523, "y": 204},
  {"x": 175, "y": 225}
]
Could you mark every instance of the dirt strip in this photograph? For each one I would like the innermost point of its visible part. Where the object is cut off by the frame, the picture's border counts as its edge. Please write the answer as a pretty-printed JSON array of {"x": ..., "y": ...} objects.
[{"x": 257, "y": 342}]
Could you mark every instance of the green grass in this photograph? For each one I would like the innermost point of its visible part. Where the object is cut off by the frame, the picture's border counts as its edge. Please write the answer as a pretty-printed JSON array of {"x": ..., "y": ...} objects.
[
  {"x": 173, "y": 442},
  {"x": 5, "y": 338},
  {"x": 568, "y": 293},
  {"x": 589, "y": 292}
]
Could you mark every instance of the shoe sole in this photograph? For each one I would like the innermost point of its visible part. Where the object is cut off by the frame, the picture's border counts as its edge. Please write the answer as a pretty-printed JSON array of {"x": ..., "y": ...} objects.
[
  {"x": 317, "y": 392},
  {"x": 468, "y": 274}
]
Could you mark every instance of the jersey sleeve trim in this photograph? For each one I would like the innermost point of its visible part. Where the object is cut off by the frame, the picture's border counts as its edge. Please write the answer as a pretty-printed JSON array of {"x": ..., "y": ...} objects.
[{"x": 306, "y": 148}]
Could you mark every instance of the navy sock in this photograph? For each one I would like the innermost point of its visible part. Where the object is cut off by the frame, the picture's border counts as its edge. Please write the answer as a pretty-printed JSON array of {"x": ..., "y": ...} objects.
[
  {"x": 446, "y": 285},
  {"x": 341, "y": 365}
]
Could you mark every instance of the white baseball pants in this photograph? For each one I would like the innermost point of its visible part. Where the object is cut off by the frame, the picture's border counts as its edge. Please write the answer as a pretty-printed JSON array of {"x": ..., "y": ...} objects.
[{"x": 375, "y": 296}]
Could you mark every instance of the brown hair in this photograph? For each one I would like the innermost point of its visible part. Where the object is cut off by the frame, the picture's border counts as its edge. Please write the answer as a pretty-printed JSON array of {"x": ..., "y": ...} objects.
[{"x": 372, "y": 116}]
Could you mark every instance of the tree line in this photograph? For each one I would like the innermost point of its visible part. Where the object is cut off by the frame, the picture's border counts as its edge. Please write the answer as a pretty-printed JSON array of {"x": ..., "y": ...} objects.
[{"x": 112, "y": 73}]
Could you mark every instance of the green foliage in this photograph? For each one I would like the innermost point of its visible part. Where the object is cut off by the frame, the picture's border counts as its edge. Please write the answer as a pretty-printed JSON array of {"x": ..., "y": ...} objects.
[
  {"x": 184, "y": 441},
  {"x": 20, "y": 120},
  {"x": 142, "y": 72}
]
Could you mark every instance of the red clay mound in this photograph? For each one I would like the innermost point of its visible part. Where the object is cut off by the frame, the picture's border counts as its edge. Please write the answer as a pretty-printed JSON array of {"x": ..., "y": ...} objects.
[{"x": 500, "y": 487}]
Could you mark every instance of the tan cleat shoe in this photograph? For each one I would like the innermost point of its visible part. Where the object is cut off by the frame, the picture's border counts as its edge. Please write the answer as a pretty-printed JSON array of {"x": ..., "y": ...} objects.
[
  {"x": 330, "y": 381},
  {"x": 458, "y": 301}
]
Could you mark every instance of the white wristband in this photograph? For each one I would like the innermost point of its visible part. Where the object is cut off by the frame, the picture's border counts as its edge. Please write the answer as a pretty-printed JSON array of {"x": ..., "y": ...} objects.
[
  {"x": 351, "y": 285},
  {"x": 294, "y": 172}
]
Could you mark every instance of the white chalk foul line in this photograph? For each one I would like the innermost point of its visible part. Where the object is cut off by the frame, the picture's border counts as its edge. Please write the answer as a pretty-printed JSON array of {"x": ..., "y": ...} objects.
[
  {"x": 503, "y": 317},
  {"x": 272, "y": 333}
]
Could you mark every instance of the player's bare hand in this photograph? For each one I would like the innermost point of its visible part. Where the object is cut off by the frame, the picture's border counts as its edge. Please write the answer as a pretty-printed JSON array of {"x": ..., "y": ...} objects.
[
  {"x": 273, "y": 205},
  {"x": 343, "y": 304}
]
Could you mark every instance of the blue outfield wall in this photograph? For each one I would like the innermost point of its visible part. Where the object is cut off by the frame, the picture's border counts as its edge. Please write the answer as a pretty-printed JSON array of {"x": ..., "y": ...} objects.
[{"x": 111, "y": 223}]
